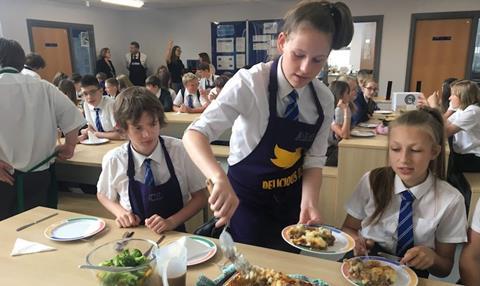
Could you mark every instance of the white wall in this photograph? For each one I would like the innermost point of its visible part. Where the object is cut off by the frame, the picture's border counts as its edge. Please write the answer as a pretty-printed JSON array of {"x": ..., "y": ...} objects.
[{"x": 190, "y": 27}]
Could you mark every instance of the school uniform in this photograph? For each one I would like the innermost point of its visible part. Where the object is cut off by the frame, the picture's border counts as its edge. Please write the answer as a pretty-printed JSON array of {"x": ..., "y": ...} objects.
[
  {"x": 30, "y": 112},
  {"x": 332, "y": 152},
  {"x": 137, "y": 67},
  {"x": 364, "y": 108},
  {"x": 208, "y": 83},
  {"x": 175, "y": 176},
  {"x": 464, "y": 149},
  {"x": 104, "y": 111},
  {"x": 29, "y": 71},
  {"x": 166, "y": 99},
  {"x": 190, "y": 100},
  {"x": 255, "y": 101},
  {"x": 438, "y": 213},
  {"x": 476, "y": 218}
]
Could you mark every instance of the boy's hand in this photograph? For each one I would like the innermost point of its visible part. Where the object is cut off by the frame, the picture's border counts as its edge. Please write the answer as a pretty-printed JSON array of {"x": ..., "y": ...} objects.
[
  {"x": 65, "y": 151},
  {"x": 127, "y": 219},
  {"x": 5, "y": 173},
  {"x": 223, "y": 201},
  {"x": 183, "y": 108},
  {"x": 310, "y": 215},
  {"x": 158, "y": 224},
  {"x": 419, "y": 257}
]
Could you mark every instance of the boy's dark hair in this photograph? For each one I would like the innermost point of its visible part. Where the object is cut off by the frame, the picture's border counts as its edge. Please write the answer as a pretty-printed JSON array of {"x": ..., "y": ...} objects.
[
  {"x": 164, "y": 76},
  {"x": 153, "y": 80},
  {"x": 34, "y": 61},
  {"x": 76, "y": 78},
  {"x": 134, "y": 43},
  {"x": 112, "y": 81},
  {"x": 68, "y": 88},
  {"x": 330, "y": 18},
  {"x": 11, "y": 54},
  {"x": 101, "y": 75},
  {"x": 131, "y": 103},
  {"x": 88, "y": 80},
  {"x": 205, "y": 58},
  {"x": 221, "y": 81},
  {"x": 203, "y": 66}
]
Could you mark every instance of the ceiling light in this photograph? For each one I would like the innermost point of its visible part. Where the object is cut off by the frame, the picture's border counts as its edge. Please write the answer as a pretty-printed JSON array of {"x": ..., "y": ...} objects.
[{"x": 129, "y": 3}]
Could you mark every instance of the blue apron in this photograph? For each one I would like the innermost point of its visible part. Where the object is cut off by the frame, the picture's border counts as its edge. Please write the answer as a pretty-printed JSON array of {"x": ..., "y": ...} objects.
[
  {"x": 138, "y": 73},
  {"x": 268, "y": 185},
  {"x": 164, "y": 200}
]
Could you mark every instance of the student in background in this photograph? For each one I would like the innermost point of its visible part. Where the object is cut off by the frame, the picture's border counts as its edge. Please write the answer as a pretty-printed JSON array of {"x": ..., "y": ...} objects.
[
  {"x": 189, "y": 99},
  {"x": 175, "y": 65},
  {"x": 341, "y": 121},
  {"x": 30, "y": 112},
  {"x": 98, "y": 111},
  {"x": 68, "y": 88},
  {"x": 438, "y": 99},
  {"x": 205, "y": 58},
  {"x": 136, "y": 64},
  {"x": 149, "y": 180},
  {"x": 165, "y": 81},
  {"x": 362, "y": 76},
  {"x": 153, "y": 84},
  {"x": 470, "y": 257},
  {"x": 123, "y": 82},
  {"x": 59, "y": 76},
  {"x": 102, "y": 77},
  {"x": 33, "y": 63},
  {"x": 104, "y": 63},
  {"x": 280, "y": 115},
  {"x": 364, "y": 103},
  {"x": 76, "y": 78},
  {"x": 207, "y": 79},
  {"x": 408, "y": 209},
  {"x": 111, "y": 87},
  {"x": 219, "y": 84}
]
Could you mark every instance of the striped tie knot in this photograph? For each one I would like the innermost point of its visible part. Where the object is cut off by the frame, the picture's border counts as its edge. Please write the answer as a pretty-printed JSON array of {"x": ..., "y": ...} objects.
[
  {"x": 291, "y": 112},
  {"x": 407, "y": 196}
]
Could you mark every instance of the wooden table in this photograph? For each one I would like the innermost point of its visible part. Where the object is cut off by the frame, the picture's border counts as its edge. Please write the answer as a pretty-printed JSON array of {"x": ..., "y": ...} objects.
[
  {"x": 177, "y": 123},
  {"x": 60, "y": 267}
]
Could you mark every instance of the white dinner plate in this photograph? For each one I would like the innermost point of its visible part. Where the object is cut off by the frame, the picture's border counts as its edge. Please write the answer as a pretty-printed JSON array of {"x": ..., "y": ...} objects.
[
  {"x": 343, "y": 242},
  {"x": 74, "y": 228},
  {"x": 361, "y": 133},
  {"x": 383, "y": 111},
  {"x": 405, "y": 275},
  {"x": 100, "y": 141},
  {"x": 368, "y": 125},
  {"x": 199, "y": 249}
]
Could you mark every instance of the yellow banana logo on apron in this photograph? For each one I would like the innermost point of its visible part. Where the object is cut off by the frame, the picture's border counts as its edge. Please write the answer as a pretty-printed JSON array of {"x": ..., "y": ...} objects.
[{"x": 284, "y": 158}]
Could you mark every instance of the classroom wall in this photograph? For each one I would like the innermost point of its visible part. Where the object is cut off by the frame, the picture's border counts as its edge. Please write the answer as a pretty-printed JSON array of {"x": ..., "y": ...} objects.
[{"x": 190, "y": 27}]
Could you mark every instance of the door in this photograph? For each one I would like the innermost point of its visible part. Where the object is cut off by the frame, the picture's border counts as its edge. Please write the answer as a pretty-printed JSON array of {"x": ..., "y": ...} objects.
[
  {"x": 440, "y": 51},
  {"x": 53, "y": 45}
]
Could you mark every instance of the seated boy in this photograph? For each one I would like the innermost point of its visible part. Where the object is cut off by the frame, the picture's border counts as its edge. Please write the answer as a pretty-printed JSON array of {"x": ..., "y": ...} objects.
[
  {"x": 98, "y": 111},
  {"x": 470, "y": 257},
  {"x": 207, "y": 79},
  {"x": 154, "y": 84},
  {"x": 219, "y": 84},
  {"x": 150, "y": 180},
  {"x": 189, "y": 99}
]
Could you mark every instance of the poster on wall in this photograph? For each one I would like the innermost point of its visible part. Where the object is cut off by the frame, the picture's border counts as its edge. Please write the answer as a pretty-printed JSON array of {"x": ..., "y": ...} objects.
[
  {"x": 262, "y": 42},
  {"x": 228, "y": 45}
]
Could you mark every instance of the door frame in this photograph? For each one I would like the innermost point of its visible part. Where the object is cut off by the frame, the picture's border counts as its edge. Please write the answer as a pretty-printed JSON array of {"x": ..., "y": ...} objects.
[
  {"x": 68, "y": 26},
  {"x": 475, "y": 15},
  {"x": 378, "y": 19}
]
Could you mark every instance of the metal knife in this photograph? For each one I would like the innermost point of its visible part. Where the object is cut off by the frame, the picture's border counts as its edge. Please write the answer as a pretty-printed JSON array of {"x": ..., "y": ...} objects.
[
  {"x": 390, "y": 256},
  {"x": 35, "y": 222}
]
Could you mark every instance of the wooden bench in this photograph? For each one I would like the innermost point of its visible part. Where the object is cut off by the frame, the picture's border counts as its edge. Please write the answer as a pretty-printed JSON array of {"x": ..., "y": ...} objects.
[
  {"x": 328, "y": 195},
  {"x": 474, "y": 181}
]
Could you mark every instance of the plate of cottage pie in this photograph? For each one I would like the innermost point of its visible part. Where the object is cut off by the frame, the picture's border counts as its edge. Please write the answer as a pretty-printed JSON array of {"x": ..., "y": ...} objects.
[
  {"x": 318, "y": 239},
  {"x": 377, "y": 271}
]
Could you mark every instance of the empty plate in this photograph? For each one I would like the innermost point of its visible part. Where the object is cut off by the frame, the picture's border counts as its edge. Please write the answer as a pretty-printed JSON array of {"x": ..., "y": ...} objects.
[
  {"x": 74, "y": 228},
  {"x": 361, "y": 133}
]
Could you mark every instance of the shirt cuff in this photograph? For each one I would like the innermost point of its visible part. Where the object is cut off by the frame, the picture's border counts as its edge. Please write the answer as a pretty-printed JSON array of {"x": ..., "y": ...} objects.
[
  {"x": 314, "y": 162},
  {"x": 203, "y": 128},
  {"x": 452, "y": 239}
]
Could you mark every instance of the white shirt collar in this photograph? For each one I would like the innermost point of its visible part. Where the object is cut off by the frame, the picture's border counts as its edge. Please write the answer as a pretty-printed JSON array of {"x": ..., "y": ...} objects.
[
  {"x": 418, "y": 191},
  {"x": 156, "y": 156},
  {"x": 284, "y": 87},
  {"x": 158, "y": 93}
]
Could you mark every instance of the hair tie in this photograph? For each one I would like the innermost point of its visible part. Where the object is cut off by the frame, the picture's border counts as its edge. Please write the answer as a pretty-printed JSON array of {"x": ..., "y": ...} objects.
[{"x": 332, "y": 9}]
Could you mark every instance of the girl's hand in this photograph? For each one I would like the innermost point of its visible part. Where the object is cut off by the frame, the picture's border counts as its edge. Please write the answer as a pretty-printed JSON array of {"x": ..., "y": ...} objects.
[
  {"x": 127, "y": 219},
  {"x": 223, "y": 201},
  {"x": 5, "y": 173},
  {"x": 419, "y": 257},
  {"x": 310, "y": 215},
  {"x": 158, "y": 224},
  {"x": 362, "y": 245},
  {"x": 434, "y": 100}
]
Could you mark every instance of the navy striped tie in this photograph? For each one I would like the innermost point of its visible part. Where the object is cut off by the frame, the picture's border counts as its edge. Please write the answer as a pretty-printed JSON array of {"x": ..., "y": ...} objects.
[
  {"x": 291, "y": 112},
  {"x": 149, "y": 180},
  {"x": 405, "y": 224},
  {"x": 98, "y": 122}
]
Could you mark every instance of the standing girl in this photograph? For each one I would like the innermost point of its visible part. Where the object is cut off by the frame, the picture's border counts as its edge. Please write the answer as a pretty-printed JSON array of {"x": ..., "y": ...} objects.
[
  {"x": 281, "y": 116},
  {"x": 341, "y": 123},
  {"x": 407, "y": 209},
  {"x": 175, "y": 65}
]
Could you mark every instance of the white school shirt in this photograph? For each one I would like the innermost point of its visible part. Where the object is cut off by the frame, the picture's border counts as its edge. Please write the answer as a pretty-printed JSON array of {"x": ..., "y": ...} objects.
[
  {"x": 208, "y": 81},
  {"x": 30, "y": 73},
  {"x": 467, "y": 140},
  {"x": 196, "y": 103},
  {"x": 113, "y": 181},
  {"x": 243, "y": 106},
  {"x": 438, "y": 213},
  {"x": 30, "y": 112},
  {"x": 476, "y": 218},
  {"x": 106, "y": 114},
  {"x": 143, "y": 59}
]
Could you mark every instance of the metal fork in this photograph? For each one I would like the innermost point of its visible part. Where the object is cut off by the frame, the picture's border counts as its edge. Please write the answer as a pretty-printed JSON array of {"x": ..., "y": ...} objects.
[
  {"x": 228, "y": 246},
  {"x": 121, "y": 244}
]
